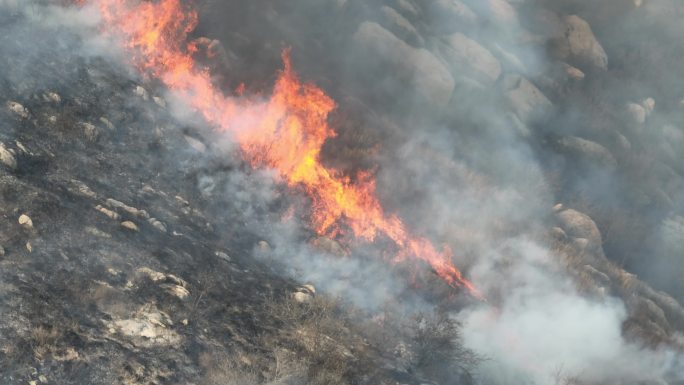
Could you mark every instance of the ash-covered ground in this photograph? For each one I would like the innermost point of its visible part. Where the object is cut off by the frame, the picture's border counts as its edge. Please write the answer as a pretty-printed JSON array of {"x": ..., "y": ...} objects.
[{"x": 540, "y": 140}]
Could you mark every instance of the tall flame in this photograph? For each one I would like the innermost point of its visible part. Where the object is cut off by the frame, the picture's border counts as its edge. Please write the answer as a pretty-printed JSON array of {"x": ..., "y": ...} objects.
[{"x": 285, "y": 132}]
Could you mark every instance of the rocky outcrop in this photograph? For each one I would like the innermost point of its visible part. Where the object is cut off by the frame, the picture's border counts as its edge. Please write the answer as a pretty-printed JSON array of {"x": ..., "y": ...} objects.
[
  {"x": 448, "y": 16},
  {"x": 586, "y": 151},
  {"x": 468, "y": 58},
  {"x": 525, "y": 99},
  {"x": 423, "y": 71},
  {"x": 579, "y": 46},
  {"x": 579, "y": 225}
]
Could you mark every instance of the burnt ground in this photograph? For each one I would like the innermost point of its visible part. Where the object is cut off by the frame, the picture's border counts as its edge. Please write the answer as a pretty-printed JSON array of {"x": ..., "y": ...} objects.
[{"x": 116, "y": 268}]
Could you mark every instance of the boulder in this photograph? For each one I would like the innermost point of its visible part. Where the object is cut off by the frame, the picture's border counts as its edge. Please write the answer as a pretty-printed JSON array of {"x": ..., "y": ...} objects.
[
  {"x": 18, "y": 109},
  {"x": 466, "y": 57},
  {"x": 586, "y": 150},
  {"x": 448, "y": 16},
  {"x": 525, "y": 99},
  {"x": 579, "y": 46},
  {"x": 579, "y": 225},
  {"x": 425, "y": 74},
  {"x": 500, "y": 12},
  {"x": 400, "y": 26},
  {"x": 407, "y": 8}
]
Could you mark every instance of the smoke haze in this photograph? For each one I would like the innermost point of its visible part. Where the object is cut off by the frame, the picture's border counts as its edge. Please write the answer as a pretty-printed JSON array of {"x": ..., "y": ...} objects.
[{"x": 475, "y": 122}]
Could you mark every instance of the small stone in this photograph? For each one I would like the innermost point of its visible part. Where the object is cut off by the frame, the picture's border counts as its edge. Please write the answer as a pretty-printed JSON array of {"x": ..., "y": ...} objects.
[
  {"x": 182, "y": 201},
  {"x": 131, "y": 210},
  {"x": 107, "y": 123},
  {"x": 302, "y": 297},
  {"x": 223, "y": 256},
  {"x": 18, "y": 109},
  {"x": 96, "y": 232},
  {"x": 52, "y": 97},
  {"x": 185, "y": 322},
  {"x": 111, "y": 214},
  {"x": 649, "y": 105},
  {"x": 558, "y": 207},
  {"x": 90, "y": 132},
  {"x": 310, "y": 288},
  {"x": 42, "y": 379},
  {"x": 574, "y": 72},
  {"x": 157, "y": 224},
  {"x": 2, "y": 251},
  {"x": 140, "y": 91},
  {"x": 159, "y": 101},
  {"x": 636, "y": 112},
  {"x": 195, "y": 144},
  {"x": 25, "y": 221},
  {"x": 29, "y": 247},
  {"x": 80, "y": 188},
  {"x": 129, "y": 225},
  {"x": 176, "y": 290},
  {"x": 21, "y": 147},
  {"x": 263, "y": 247},
  {"x": 7, "y": 158},
  {"x": 33, "y": 382}
]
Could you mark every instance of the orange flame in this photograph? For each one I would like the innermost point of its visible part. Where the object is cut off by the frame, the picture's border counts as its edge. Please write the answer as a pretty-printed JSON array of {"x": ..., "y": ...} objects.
[{"x": 285, "y": 132}]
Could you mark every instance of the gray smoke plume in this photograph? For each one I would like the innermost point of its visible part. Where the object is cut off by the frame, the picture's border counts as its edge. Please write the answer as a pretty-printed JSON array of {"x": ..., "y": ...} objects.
[{"x": 477, "y": 117}]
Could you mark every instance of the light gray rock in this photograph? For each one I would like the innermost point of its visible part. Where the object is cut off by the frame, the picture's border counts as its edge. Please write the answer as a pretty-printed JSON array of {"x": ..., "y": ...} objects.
[
  {"x": 129, "y": 209},
  {"x": 223, "y": 256},
  {"x": 467, "y": 57},
  {"x": 80, "y": 188},
  {"x": 579, "y": 46},
  {"x": 18, "y": 109},
  {"x": 408, "y": 9},
  {"x": 636, "y": 113},
  {"x": 7, "y": 158},
  {"x": 157, "y": 224},
  {"x": 425, "y": 74},
  {"x": 400, "y": 26},
  {"x": 25, "y": 221},
  {"x": 128, "y": 225},
  {"x": 499, "y": 12},
  {"x": 448, "y": 16}
]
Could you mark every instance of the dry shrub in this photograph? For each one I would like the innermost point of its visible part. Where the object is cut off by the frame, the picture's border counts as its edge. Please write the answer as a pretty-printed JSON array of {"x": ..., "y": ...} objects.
[
  {"x": 438, "y": 351},
  {"x": 314, "y": 343},
  {"x": 44, "y": 340},
  {"x": 219, "y": 368}
]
